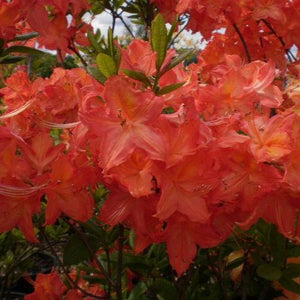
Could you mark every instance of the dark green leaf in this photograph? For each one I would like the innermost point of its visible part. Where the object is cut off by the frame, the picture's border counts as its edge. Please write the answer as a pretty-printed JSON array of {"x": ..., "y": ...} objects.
[
  {"x": 25, "y": 37},
  {"x": 137, "y": 76},
  {"x": 134, "y": 262},
  {"x": 257, "y": 258},
  {"x": 269, "y": 272},
  {"x": 94, "y": 279},
  {"x": 277, "y": 244},
  {"x": 131, "y": 9},
  {"x": 117, "y": 3},
  {"x": 11, "y": 59},
  {"x": 290, "y": 284},
  {"x": 89, "y": 269},
  {"x": 292, "y": 271},
  {"x": 97, "y": 6},
  {"x": 95, "y": 230},
  {"x": 293, "y": 252},
  {"x": 165, "y": 289},
  {"x": 159, "y": 39},
  {"x": 75, "y": 251},
  {"x": 138, "y": 292},
  {"x": 22, "y": 49},
  {"x": 163, "y": 263},
  {"x": 106, "y": 65},
  {"x": 170, "y": 88},
  {"x": 113, "y": 235}
]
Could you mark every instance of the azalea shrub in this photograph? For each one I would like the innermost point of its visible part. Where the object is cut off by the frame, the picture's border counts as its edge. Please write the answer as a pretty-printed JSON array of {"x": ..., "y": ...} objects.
[{"x": 148, "y": 172}]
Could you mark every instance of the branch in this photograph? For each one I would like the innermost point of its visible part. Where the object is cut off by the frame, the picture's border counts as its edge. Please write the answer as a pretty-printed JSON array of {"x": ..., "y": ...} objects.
[
  {"x": 125, "y": 24},
  {"x": 120, "y": 263},
  {"x": 240, "y": 36},
  {"x": 218, "y": 276},
  {"x": 243, "y": 41},
  {"x": 61, "y": 58},
  {"x": 289, "y": 54},
  {"x": 73, "y": 48},
  {"x": 178, "y": 33},
  {"x": 94, "y": 257},
  {"x": 108, "y": 271},
  {"x": 65, "y": 271}
]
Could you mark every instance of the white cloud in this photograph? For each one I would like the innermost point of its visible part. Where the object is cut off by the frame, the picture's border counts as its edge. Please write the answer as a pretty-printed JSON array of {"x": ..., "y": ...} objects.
[{"x": 104, "y": 21}]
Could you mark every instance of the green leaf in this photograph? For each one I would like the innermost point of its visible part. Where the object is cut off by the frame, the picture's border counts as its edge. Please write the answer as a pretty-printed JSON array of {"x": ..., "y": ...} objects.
[
  {"x": 257, "y": 258},
  {"x": 110, "y": 41},
  {"x": 138, "y": 292},
  {"x": 117, "y": 3},
  {"x": 106, "y": 65},
  {"x": 95, "y": 230},
  {"x": 94, "y": 71},
  {"x": 277, "y": 244},
  {"x": 11, "y": 59},
  {"x": 293, "y": 252},
  {"x": 170, "y": 88},
  {"x": 177, "y": 60},
  {"x": 136, "y": 263},
  {"x": 172, "y": 30},
  {"x": 165, "y": 289},
  {"x": 25, "y": 37},
  {"x": 89, "y": 269},
  {"x": 22, "y": 49},
  {"x": 290, "y": 284},
  {"x": 94, "y": 279},
  {"x": 75, "y": 251},
  {"x": 292, "y": 271},
  {"x": 117, "y": 57},
  {"x": 131, "y": 9},
  {"x": 269, "y": 272},
  {"x": 113, "y": 235},
  {"x": 131, "y": 238},
  {"x": 137, "y": 76},
  {"x": 159, "y": 39},
  {"x": 92, "y": 39}
]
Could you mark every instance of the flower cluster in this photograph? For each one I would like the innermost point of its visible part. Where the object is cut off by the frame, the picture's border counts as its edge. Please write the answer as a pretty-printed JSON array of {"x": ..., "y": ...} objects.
[{"x": 184, "y": 165}]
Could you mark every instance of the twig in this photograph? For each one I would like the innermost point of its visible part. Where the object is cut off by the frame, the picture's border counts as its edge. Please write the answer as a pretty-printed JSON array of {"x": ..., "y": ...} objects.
[
  {"x": 178, "y": 33},
  {"x": 289, "y": 54},
  {"x": 217, "y": 272},
  {"x": 66, "y": 273},
  {"x": 73, "y": 48},
  {"x": 94, "y": 257},
  {"x": 243, "y": 41},
  {"x": 109, "y": 272},
  {"x": 29, "y": 66},
  {"x": 120, "y": 263},
  {"x": 264, "y": 292},
  {"x": 244, "y": 293},
  {"x": 126, "y": 26},
  {"x": 61, "y": 58},
  {"x": 236, "y": 28}
]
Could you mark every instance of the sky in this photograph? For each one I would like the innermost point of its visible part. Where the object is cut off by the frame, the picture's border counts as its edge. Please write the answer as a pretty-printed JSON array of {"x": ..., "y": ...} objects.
[{"x": 104, "y": 21}]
